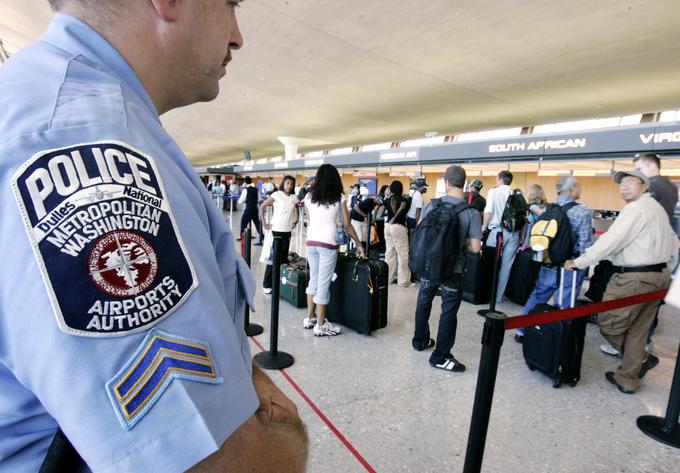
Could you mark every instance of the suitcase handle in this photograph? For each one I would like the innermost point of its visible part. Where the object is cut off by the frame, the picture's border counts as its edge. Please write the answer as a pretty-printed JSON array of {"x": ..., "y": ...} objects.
[{"x": 572, "y": 301}]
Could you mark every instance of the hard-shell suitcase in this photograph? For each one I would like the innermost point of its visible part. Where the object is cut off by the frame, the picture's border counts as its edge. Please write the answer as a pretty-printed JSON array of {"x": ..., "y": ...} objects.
[
  {"x": 359, "y": 294},
  {"x": 478, "y": 277},
  {"x": 294, "y": 280},
  {"x": 556, "y": 348},
  {"x": 522, "y": 277}
]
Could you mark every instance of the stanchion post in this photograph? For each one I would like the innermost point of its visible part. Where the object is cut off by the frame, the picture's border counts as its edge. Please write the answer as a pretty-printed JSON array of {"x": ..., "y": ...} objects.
[
  {"x": 275, "y": 359},
  {"x": 494, "y": 280},
  {"x": 231, "y": 214},
  {"x": 492, "y": 340},
  {"x": 667, "y": 429},
  {"x": 251, "y": 329}
]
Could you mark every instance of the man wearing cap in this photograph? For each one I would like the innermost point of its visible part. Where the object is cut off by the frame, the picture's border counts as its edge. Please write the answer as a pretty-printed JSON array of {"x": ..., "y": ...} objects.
[
  {"x": 470, "y": 238},
  {"x": 642, "y": 246},
  {"x": 473, "y": 197},
  {"x": 666, "y": 193}
]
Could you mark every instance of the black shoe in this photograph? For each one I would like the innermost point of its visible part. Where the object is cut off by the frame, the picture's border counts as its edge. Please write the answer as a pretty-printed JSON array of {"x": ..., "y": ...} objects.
[
  {"x": 610, "y": 377},
  {"x": 519, "y": 338},
  {"x": 430, "y": 344},
  {"x": 450, "y": 364},
  {"x": 650, "y": 362}
]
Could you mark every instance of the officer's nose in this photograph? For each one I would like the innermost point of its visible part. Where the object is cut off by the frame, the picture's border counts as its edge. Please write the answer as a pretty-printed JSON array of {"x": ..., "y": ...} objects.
[{"x": 235, "y": 40}]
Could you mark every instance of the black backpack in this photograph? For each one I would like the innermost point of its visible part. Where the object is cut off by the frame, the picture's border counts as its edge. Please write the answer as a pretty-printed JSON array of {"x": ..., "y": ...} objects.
[
  {"x": 436, "y": 245},
  {"x": 515, "y": 213},
  {"x": 552, "y": 231}
]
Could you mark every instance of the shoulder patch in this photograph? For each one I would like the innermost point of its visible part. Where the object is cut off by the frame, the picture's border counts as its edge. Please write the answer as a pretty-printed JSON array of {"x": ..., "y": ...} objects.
[
  {"x": 105, "y": 238},
  {"x": 160, "y": 359}
]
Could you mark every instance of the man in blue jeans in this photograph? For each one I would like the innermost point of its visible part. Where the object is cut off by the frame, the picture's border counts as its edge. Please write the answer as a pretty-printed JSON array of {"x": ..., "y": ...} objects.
[
  {"x": 493, "y": 215},
  {"x": 581, "y": 221},
  {"x": 470, "y": 237}
]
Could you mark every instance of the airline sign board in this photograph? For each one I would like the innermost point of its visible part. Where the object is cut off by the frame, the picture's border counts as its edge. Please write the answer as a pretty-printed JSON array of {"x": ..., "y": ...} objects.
[{"x": 655, "y": 137}]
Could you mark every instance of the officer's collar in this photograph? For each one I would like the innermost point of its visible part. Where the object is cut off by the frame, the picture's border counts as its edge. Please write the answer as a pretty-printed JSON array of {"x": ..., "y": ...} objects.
[{"x": 76, "y": 37}]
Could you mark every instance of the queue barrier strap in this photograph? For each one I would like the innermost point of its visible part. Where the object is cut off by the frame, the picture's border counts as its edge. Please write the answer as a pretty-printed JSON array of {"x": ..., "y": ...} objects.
[{"x": 521, "y": 321}]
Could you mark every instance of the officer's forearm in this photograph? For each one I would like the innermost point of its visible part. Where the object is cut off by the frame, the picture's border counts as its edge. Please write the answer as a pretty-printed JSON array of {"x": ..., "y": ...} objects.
[
  {"x": 261, "y": 445},
  {"x": 273, "y": 439}
]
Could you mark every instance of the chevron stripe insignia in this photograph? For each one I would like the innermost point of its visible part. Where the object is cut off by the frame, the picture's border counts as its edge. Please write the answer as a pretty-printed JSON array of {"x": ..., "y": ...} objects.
[{"x": 159, "y": 360}]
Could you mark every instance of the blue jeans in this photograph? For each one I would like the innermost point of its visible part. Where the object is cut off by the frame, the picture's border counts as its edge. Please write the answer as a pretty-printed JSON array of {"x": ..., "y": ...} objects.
[
  {"x": 321, "y": 268},
  {"x": 546, "y": 286},
  {"x": 508, "y": 253},
  {"x": 448, "y": 321}
]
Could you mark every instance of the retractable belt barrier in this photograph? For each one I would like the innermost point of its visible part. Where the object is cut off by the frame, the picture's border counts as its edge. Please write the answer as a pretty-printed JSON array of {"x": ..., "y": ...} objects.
[
  {"x": 520, "y": 321},
  {"x": 492, "y": 339}
]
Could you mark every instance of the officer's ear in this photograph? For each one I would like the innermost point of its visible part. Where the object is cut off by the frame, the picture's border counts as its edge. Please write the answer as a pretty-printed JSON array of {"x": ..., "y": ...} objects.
[{"x": 167, "y": 10}]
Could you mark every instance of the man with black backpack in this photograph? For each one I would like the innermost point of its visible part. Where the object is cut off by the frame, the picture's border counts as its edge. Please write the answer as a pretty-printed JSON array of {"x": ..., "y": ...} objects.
[
  {"x": 564, "y": 230},
  {"x": 449, "y": 226},
  {"x": 505, "y": 212}
]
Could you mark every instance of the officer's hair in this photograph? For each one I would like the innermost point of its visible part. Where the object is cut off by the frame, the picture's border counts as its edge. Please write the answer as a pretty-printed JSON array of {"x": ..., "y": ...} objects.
[
  {"x": 648, "y": 158},
  {"x": 101, "y": 5}
]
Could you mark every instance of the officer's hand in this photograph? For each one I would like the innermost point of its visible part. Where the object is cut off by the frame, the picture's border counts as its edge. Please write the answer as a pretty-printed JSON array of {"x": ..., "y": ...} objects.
[{"x": 569, "y": 265}]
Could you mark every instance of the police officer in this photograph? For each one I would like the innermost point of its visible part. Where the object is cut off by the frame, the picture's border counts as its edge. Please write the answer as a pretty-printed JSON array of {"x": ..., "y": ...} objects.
[{"x": 133, "y": 342}]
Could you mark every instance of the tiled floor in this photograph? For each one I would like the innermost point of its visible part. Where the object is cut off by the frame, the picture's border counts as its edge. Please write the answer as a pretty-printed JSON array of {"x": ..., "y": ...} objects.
[{"x": 403, "y": 416}]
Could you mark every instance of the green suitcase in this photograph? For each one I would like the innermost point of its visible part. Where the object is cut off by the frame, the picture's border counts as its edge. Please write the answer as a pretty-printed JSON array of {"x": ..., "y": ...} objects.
[{"x": 294, "y": 279}]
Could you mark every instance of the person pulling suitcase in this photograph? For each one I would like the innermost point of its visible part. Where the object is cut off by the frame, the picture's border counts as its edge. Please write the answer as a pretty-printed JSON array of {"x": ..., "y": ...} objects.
[
  {"x": 556, "y": 348},
  {"x": 449, "y": 226}
]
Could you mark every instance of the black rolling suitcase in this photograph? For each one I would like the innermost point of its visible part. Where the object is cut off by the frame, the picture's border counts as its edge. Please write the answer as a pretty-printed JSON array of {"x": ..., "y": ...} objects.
[
  {"x": 359, "y": 294},
  {"x": 522, "y": 277},
  {"x": 556, "y": 349},
  {"x": 478, "y": 277}
]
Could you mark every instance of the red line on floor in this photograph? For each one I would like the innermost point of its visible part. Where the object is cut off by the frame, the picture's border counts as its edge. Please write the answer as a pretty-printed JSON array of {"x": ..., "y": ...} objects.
[{"x": 321, "y": 415}]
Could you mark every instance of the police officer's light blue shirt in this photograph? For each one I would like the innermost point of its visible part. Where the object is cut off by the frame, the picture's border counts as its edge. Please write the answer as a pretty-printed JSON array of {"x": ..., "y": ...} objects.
[{"x": 121, "y": 295}]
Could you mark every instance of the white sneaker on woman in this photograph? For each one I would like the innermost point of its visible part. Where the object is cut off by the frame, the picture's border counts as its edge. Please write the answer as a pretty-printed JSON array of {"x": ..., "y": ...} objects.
[
  {"x": 309, "y": 322},
  {"x": 326, "y": 330}
]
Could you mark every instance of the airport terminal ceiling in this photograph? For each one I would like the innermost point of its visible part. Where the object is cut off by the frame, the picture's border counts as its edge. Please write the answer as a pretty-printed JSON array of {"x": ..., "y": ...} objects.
[{"x": 344, "y": 73}]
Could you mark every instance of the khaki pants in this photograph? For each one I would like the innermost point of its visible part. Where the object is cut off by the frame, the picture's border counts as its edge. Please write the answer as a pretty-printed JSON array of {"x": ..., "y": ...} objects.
[
  {"x": 396, "y": 253},
  {"x": 626, "y": 329}
]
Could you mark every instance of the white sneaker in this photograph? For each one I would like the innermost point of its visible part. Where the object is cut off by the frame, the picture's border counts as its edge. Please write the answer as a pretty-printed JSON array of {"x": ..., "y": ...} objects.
[
  {"x": 327, "y": 329},
  {"x": 609, "y": 350},
  {"x": 267, "y": 290},
  {"x": 309, "y": 322}
]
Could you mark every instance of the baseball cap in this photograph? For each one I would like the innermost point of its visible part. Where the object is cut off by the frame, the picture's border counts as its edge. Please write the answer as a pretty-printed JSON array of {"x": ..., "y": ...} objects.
[
  {"x": 420, "y": 183},
  {"x": 621, "y": 174},
  {"x": 477, "y": 183},
  {"x": 455, "y": 175}
]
